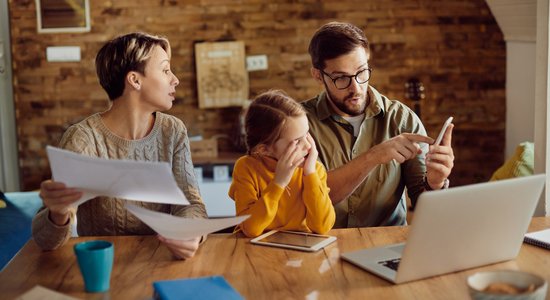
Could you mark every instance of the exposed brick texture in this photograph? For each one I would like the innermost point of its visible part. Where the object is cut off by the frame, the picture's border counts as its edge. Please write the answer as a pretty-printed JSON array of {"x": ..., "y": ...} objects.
[{"x": 454, "y": 47}]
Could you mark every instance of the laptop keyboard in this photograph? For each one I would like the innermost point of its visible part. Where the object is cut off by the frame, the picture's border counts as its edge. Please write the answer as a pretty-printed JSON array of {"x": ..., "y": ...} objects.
[{"x": 392, "y": 263}]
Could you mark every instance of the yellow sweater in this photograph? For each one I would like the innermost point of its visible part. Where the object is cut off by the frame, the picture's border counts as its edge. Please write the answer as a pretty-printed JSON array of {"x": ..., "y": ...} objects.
[{"x": 304, "y": 205}]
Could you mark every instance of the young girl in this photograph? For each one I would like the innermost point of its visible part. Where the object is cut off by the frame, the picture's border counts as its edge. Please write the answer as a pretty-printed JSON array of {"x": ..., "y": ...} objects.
[{"x": 280, "y": 183}]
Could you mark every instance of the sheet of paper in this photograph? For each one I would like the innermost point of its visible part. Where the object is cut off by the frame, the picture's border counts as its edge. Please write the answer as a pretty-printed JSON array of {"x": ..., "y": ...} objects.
[
  {"x": 127, "y": 179},
  {"x": 178, "y": 228},
  {"x": 39, "y": 293}
]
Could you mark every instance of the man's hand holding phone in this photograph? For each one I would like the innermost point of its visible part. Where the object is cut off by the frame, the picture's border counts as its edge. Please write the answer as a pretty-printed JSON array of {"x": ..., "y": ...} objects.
[{"x": 440, "y": 157}]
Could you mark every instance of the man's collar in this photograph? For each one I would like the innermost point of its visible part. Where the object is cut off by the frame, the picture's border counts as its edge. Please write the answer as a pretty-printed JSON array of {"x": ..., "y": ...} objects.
[
  {"x": 375, "y": 107},
  {"x": 323, "y": 107}
]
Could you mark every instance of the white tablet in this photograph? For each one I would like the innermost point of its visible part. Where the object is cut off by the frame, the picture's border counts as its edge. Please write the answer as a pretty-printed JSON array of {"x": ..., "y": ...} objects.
[{"x": 294, "y": 240}]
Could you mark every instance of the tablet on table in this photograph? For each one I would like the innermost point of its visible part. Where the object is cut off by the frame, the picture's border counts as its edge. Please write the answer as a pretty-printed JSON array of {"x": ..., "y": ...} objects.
[{"x": 303, "y": 241}]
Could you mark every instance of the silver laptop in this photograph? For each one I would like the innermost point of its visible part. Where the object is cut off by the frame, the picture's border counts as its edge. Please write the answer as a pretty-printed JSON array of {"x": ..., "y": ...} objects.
[{"x": 457, "y": 229}]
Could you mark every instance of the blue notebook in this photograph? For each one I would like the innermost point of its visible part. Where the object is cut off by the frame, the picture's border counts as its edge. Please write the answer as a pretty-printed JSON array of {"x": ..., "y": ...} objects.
[{"x": 214, "y": 287}]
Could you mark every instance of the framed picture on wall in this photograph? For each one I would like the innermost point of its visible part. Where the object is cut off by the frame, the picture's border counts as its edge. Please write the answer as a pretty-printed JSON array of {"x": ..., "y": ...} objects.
[
  {"x": 54, "y": 16},
  {"x": 222, "y": 79}
]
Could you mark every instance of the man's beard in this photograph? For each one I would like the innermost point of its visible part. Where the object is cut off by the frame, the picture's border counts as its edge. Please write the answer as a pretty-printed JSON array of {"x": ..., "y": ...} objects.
[{"x": 341, "y": 105}]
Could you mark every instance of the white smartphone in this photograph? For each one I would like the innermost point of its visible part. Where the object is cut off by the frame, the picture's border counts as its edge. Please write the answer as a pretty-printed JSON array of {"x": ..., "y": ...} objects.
[
  {"x": 294, "y": 240},
  {"x": 442, "y": 132}
]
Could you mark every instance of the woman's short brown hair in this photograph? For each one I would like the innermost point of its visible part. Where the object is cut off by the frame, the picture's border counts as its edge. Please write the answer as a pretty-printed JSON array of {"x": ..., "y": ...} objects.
[
  {"x": 266, "y": 117},
  {"x": 124, "y": 54},
  {"x": 335, "y": 39}
]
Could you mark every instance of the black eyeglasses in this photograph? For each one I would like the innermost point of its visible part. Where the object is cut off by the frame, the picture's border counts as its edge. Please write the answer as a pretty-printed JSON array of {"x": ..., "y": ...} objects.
[{"x": 344, "y": 81}]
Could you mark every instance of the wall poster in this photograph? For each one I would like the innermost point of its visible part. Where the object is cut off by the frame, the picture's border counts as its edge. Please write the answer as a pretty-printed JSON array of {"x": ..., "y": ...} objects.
[{"x": 222, "y": 78}]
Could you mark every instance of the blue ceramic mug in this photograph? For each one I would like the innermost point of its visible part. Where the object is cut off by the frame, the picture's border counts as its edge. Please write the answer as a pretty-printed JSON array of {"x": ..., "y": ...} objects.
[{"x": 95, "y": 259}]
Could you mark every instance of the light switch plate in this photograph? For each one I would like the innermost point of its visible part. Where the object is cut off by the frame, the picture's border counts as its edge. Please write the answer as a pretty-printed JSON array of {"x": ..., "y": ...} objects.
[
  {"x": 256, "y": 62},
  {"x": 63, "y": 53}
]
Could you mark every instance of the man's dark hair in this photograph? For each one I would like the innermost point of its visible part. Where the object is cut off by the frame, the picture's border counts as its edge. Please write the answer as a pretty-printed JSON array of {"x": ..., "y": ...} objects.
[{"x": 333, "y": 40}]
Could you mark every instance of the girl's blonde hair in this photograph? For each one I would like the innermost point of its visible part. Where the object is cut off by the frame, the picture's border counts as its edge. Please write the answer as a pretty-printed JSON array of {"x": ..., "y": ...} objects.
[{"x": 266, "y": 117}]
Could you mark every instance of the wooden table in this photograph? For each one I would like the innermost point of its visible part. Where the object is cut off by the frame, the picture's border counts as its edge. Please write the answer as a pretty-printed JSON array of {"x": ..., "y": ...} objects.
[{"x": 256, "y": 272}]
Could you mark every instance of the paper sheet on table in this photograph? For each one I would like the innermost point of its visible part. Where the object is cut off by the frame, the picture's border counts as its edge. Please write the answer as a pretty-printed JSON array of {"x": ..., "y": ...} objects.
[
  {"x": 39, "y": 292},
  {"x": 127, "y": 179},
  {"x": 179, "y": 228}
]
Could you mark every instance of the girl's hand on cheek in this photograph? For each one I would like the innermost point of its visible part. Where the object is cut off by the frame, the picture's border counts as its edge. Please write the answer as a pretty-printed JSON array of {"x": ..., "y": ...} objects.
[
  {"x": 309, "y": 165},
  {"x": 286, "y": 165}
]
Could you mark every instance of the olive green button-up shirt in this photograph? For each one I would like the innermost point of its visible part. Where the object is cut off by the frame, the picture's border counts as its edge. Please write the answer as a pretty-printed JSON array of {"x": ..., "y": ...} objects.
[{"x": 379, "y": 200}]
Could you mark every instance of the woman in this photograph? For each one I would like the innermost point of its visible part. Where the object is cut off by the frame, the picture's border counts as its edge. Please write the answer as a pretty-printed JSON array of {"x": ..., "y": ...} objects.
[{"x": 134, "y": 70}]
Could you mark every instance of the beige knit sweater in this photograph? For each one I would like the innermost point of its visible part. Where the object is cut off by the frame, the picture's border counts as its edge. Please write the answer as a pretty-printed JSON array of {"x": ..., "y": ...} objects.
[{"x": 167, "y": 142}]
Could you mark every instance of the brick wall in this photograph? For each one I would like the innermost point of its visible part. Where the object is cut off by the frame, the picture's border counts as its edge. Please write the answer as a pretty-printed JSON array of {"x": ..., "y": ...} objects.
[{"x": 454, "y": 47}]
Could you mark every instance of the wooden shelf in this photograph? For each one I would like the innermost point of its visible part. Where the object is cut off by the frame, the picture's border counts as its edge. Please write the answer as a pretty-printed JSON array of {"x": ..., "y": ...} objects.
[{"x": 222, "y": 159}]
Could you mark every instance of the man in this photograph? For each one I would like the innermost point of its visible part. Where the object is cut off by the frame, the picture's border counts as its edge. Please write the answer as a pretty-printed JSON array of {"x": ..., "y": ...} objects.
[{"x": 373, "y": 147}]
